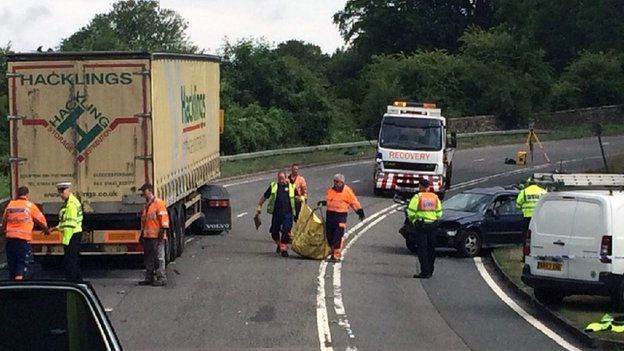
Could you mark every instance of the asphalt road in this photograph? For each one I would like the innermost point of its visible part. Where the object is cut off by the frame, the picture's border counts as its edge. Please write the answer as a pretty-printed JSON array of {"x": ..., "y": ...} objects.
[{"x": 232, "y": 291}]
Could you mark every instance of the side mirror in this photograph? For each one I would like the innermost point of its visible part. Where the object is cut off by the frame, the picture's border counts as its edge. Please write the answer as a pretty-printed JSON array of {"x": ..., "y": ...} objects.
[{"x": 452, "y": 142}]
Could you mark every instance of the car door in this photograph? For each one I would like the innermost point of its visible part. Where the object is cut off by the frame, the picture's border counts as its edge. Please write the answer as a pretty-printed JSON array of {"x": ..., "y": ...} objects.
[
  {"x": 503, "y": 224},
  {"x": 53, "y": 316}
]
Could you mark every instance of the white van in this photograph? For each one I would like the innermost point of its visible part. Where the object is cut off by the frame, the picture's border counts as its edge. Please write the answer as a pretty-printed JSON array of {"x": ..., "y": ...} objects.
[{"x": 575, "y": 245}]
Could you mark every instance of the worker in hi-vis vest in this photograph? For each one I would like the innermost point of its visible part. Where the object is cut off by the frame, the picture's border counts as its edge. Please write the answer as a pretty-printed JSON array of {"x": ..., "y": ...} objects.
[
  {"x": 423, "y": 211},
  {"x": 281, "y": 196},
  {"x": 527, "y": 200},
  {"x": 70, "y": 224}
]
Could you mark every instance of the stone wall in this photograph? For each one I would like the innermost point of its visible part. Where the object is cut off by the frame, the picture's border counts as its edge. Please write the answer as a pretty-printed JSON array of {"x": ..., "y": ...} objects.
[{"x": 603, "y": 114}]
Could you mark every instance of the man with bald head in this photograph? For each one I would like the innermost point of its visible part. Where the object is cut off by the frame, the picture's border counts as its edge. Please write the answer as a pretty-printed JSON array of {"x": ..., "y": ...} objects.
[{"x": 281, "y": 197}]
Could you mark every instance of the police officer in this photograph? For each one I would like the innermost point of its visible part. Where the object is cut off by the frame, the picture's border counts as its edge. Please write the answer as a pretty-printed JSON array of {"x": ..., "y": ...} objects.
[
  {"x": 154, "y": 226},
  {"x": 18, "y": 221},
  {"x": 282, "y": 196},
  {"x": 527, "y": 200},
  {"x": 70, "y": 224},
  {"x": 338, "y": 200},
  {"x": 423, "y": 210}
]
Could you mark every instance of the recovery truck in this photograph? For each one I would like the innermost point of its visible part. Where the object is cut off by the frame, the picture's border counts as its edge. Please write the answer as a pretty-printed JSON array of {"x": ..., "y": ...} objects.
[
  {"x": 413, "y": 144},
  {"x": 108, "y": 122}
]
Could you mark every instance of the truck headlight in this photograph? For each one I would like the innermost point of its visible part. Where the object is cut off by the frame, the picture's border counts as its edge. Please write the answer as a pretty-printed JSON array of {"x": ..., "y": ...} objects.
[{"x": 451, "y": 232}]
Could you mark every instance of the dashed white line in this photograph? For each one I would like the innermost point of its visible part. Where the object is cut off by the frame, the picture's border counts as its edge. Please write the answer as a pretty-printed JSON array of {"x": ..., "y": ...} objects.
[
  {"x": 356, "y": 181},
  {"x": 322, "y": 323},
  {"x": 189, "y": 240},
  {"x": 479, "y": 160},
  {"x": 514, "y": 306},
  {"x": 241, "y": 214}
]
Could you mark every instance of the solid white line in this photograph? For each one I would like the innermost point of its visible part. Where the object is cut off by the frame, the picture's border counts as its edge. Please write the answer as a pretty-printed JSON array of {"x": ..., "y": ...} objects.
[
  {"x": 514, "y": 306},
  {"x": 356, "y": 181},
  {"x": 322, "y": 322},
  {"x": 189, "y": 240},
  {"x": 241, "y": 214}
]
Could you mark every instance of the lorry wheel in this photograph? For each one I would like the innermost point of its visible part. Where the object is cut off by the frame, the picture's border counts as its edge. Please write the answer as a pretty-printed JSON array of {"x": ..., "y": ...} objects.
[
  {"x": 548, "y": 296},
  {"x": 378, "y": 192},
  {"x": 170, "y": 249},
  {"x": 469, "y": 243},
  {"x": 181, "y": 231},
  {"x": 449, "y": 175}
]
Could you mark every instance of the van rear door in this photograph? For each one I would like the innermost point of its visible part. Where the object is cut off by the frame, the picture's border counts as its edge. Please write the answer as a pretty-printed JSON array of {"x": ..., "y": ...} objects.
[
  {"x": 589, "y": 225},
  {"x": 551, "y": 227}
]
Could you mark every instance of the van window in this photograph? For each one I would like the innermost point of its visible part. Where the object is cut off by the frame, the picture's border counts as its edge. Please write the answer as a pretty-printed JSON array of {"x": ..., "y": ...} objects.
[
  {"x": 589, "y": 220},
  {"x": 555, "y": 217}
]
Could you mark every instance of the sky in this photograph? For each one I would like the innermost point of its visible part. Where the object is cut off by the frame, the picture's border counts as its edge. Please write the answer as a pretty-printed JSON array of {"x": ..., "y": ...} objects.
[{"x": 28, "y": 24}]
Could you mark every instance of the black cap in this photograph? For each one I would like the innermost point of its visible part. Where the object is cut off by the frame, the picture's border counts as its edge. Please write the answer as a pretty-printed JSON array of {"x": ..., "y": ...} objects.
[
  {"x": 147, "y": 186},
  {"x": 424, "y": 182}
]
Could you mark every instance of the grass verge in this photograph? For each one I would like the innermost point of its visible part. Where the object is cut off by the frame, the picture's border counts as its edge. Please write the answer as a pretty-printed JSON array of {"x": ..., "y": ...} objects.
[{"x": 579, "y": 310}]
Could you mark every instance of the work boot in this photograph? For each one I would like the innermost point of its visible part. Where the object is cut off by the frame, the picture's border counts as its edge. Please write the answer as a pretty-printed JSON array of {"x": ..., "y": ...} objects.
[
  {"x": 277, "y": 250},
  {"x": 159, "y": 282},
  {"x": 421, "y": 276},
  {"x": 146, "y": 282},
  {"x": 284, "y": 253}
]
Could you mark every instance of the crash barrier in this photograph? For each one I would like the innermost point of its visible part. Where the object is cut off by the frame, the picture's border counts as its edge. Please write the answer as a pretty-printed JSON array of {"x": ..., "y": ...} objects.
[{"x": 305, "y": 149}]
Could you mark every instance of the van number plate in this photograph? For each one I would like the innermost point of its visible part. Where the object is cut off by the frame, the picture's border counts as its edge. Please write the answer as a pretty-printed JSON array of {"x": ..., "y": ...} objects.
[{"x": 549, "y": 266}]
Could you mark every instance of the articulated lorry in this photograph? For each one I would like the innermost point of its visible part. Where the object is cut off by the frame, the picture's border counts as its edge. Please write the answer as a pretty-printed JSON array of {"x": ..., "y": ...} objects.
[
  {"x": 413, "y": 144},
  {"x": 108, "y": 122}
]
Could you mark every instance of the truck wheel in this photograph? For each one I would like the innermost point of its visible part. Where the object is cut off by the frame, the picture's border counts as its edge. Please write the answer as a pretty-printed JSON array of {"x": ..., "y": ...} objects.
[
  {"x": 181, "y": 231},
  {"x": 469, "y": 243},
  {"x": 548, "y": 296},
  {"x": 378, "y": 192},
  {"x": 449, "y": 175},
  {"x": 170, "y": 250}
]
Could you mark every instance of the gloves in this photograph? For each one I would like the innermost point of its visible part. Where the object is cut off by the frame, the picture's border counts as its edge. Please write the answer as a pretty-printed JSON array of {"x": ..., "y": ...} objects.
[
  {"x": 321, "y": 203},
  {"x": 258, "y": 209},
  {"x": 161, "y": 233},
  {"x": 302, "y": 198},
  {"x": 360, "y": 213}
]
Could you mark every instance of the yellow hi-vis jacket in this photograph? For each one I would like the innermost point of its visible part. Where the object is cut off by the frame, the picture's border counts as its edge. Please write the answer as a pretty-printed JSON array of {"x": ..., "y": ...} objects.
[
  {"x": 70, "y": 218},
  {"x": 527, "y": 199},
  {"x": 424, "y": 207}
]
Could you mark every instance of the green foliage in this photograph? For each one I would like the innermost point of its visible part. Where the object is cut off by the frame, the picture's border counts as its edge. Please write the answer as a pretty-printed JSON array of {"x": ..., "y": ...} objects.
[
  {"x": 386, "y": 27},
  {"x": 133, "y": 25},
  {"x": 4, "y": 108},
  {"x": 594, "y": 79}
]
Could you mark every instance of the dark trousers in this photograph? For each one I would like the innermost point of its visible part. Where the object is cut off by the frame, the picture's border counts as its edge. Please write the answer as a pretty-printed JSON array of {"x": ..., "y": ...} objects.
[
  {"x": 17, "y": 255},
  {"x": 281, "y": 225},
  {"x": 425, "y": 238},
  {"x": 335, "y": 225},
  {"x": 525, "y": 222},
  {"x": 71, "y": 259}
]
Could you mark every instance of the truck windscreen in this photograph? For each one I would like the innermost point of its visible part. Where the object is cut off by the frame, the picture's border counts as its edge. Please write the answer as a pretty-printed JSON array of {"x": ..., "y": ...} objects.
[{"x": 410, "y": 133}]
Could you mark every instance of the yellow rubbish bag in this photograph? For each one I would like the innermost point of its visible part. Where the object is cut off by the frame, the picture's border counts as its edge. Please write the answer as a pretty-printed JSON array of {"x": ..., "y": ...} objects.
[{"x": 309, "y": 235}]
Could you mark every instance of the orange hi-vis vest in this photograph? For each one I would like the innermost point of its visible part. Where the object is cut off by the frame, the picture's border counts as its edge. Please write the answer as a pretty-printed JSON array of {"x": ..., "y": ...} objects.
[
  {"x": 300, "y": 185},
  {"x": 18, "y": 219},
  {"x": 340, "y": 201},
  {"x": 153, "y": 218}
]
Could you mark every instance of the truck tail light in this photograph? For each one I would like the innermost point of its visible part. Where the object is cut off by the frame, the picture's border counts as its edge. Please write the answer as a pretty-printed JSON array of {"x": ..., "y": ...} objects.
[
  {"x": 219, "y": 203},
  {"x": 606, "y": 248},
  {"x": 527, "y": 243}
]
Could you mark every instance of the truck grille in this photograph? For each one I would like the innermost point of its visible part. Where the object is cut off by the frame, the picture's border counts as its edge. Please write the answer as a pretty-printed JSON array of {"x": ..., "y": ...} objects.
[{"x": 423, "y": 167}]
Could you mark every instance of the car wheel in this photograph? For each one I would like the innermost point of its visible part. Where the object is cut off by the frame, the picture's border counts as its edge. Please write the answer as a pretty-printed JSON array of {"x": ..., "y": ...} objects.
[
  {"x": 411, "y": 245},
  {"x": 548, "y": 296},
  {"x": 469, "y": 243}
]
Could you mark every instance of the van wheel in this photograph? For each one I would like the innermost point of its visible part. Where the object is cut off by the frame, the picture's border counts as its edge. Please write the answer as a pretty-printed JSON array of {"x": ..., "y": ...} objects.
[
  {"x": 469, "y": 243},
  {"x": 617, "y": 297},
  {"x": 548, "y": 296}
]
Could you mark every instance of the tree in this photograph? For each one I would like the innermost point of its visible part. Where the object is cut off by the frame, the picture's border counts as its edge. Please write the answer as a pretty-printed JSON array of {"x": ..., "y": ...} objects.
[
  {"x": 381, "y": 26},
  {"x": 133, "y": 25}
]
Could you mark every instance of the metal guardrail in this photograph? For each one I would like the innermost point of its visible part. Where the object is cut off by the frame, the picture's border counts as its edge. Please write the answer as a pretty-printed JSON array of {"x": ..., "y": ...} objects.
[{"x": 297, "y": 150}]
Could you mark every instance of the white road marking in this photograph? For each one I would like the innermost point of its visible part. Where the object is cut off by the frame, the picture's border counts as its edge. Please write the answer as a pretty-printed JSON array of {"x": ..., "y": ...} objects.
[
  {"x": 356, "y": 181},
  {"x": 517, "y": 171},
  {"x": 241, "y": 214},
  {"x": 322, "y": 323},
  {"x": 479, "y": 160},
  {"x": 189, "y": 240},
  {"x": 522, "y": 313},
  {"x": 108, "y": 309}
]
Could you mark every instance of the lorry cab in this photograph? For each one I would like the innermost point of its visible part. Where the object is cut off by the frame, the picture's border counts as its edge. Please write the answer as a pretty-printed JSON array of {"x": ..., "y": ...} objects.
[
  {"x": 412, "y": 145},
  {"x": 570, "y": 244}
]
